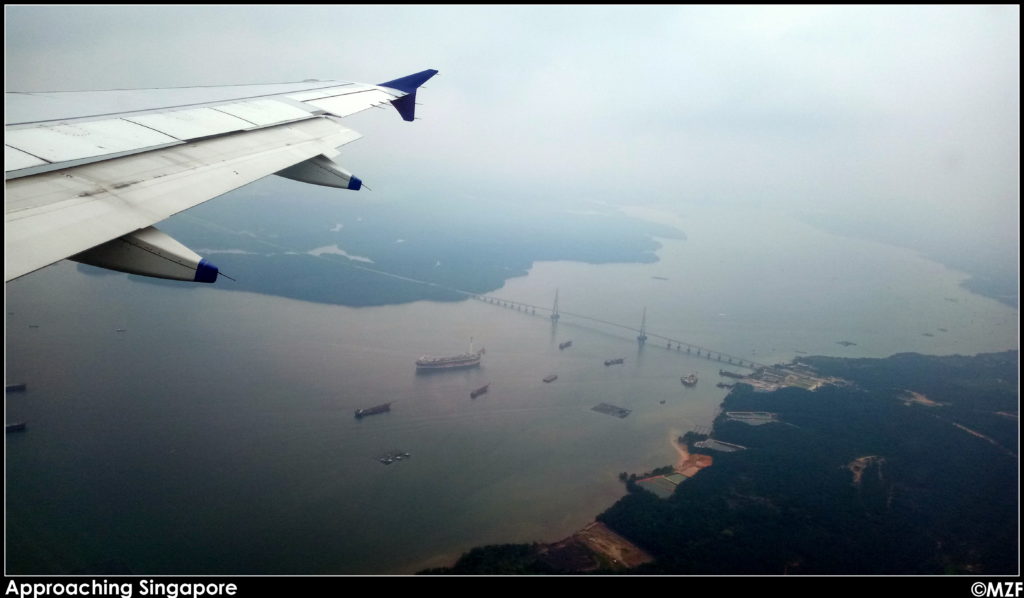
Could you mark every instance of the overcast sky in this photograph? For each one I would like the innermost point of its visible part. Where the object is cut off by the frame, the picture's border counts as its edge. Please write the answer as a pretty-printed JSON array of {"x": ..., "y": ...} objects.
[{"x": 908, "y": 112}]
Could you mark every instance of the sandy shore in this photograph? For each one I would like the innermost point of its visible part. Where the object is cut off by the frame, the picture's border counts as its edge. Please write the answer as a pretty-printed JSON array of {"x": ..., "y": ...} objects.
[
  {"x": 688, "y": 463},
  {"x": 684, "y": 455}
]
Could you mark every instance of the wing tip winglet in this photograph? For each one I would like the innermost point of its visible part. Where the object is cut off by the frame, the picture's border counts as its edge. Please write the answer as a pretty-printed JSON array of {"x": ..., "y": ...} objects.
[
  {"x": 406, "y": 105},
  {"x": 410, "y": 83}
]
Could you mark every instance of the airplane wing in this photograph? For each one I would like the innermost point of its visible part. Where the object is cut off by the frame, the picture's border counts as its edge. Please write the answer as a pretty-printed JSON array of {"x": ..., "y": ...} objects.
[{"x": 88, "y": 174}]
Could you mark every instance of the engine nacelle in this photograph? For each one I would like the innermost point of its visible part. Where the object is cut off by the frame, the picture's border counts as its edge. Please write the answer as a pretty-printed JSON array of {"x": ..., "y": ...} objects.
[
  {"x": 150, "y": 252},
  {"x": 321, "y": 170}
]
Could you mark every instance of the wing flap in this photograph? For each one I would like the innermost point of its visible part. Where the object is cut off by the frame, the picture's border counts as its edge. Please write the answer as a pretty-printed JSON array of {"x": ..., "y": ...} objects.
[
  {"x": 350, "y": 103},
  {"x": 263, "y": 113},
  {"x": 36, "y": 107},
  {"x": 141, "y": 125},
  {"x": 330, "y": 92},
  {"x": 66, "y": 142},
  {"x": 15, "y": 159},
  {"x": 53, "y": 215},
  {"x": 191, "y": 124}
]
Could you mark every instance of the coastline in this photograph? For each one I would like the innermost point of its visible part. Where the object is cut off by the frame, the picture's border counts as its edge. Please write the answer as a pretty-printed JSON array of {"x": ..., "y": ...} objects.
[{"x": 784, "y": 497}]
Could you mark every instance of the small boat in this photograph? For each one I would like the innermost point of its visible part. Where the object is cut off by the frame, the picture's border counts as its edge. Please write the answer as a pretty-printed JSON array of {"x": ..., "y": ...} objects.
[
  {"x": 476, "y": 393},
  {"x": 616, "y": 361},
  {"x": 565, "y": 345},
  {"x": 690, "y": 380},
  {"x": 550, "y": 378},
  {"x": 393, "y": 457}
]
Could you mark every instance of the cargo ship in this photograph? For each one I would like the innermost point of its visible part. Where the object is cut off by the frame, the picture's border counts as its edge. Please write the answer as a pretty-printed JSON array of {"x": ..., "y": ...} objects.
[
  {"x": 565, "y": 345},
  {"x": 16, "y": 427},
  {"x": 615, "y": 361},
  {"x": 361, "y": 413},
  {"x": 690, "y": 380},
  {"x": 730, "y": 374},
  {"x": 465, "y": 360},
  {"x": 476, "y": 393}
]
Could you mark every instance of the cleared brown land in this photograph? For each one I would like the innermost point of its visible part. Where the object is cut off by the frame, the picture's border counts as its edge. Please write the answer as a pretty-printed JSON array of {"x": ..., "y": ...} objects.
[
  {"x": 594, "y": 547},
  {"x": 985, "y": 438},
  {"x": 687, "y": 464},
  {"x": 570, "y": 555},
  {"x": 920, "y": 399},
  {"x": 599, "y": 538},
  {"x": 693, "y": 463},
  {"x": 857, "y": 466}
]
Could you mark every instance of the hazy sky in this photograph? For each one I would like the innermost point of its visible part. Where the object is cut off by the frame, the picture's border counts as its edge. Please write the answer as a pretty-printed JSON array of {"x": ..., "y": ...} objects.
[{"x": 907, "y": 114}]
